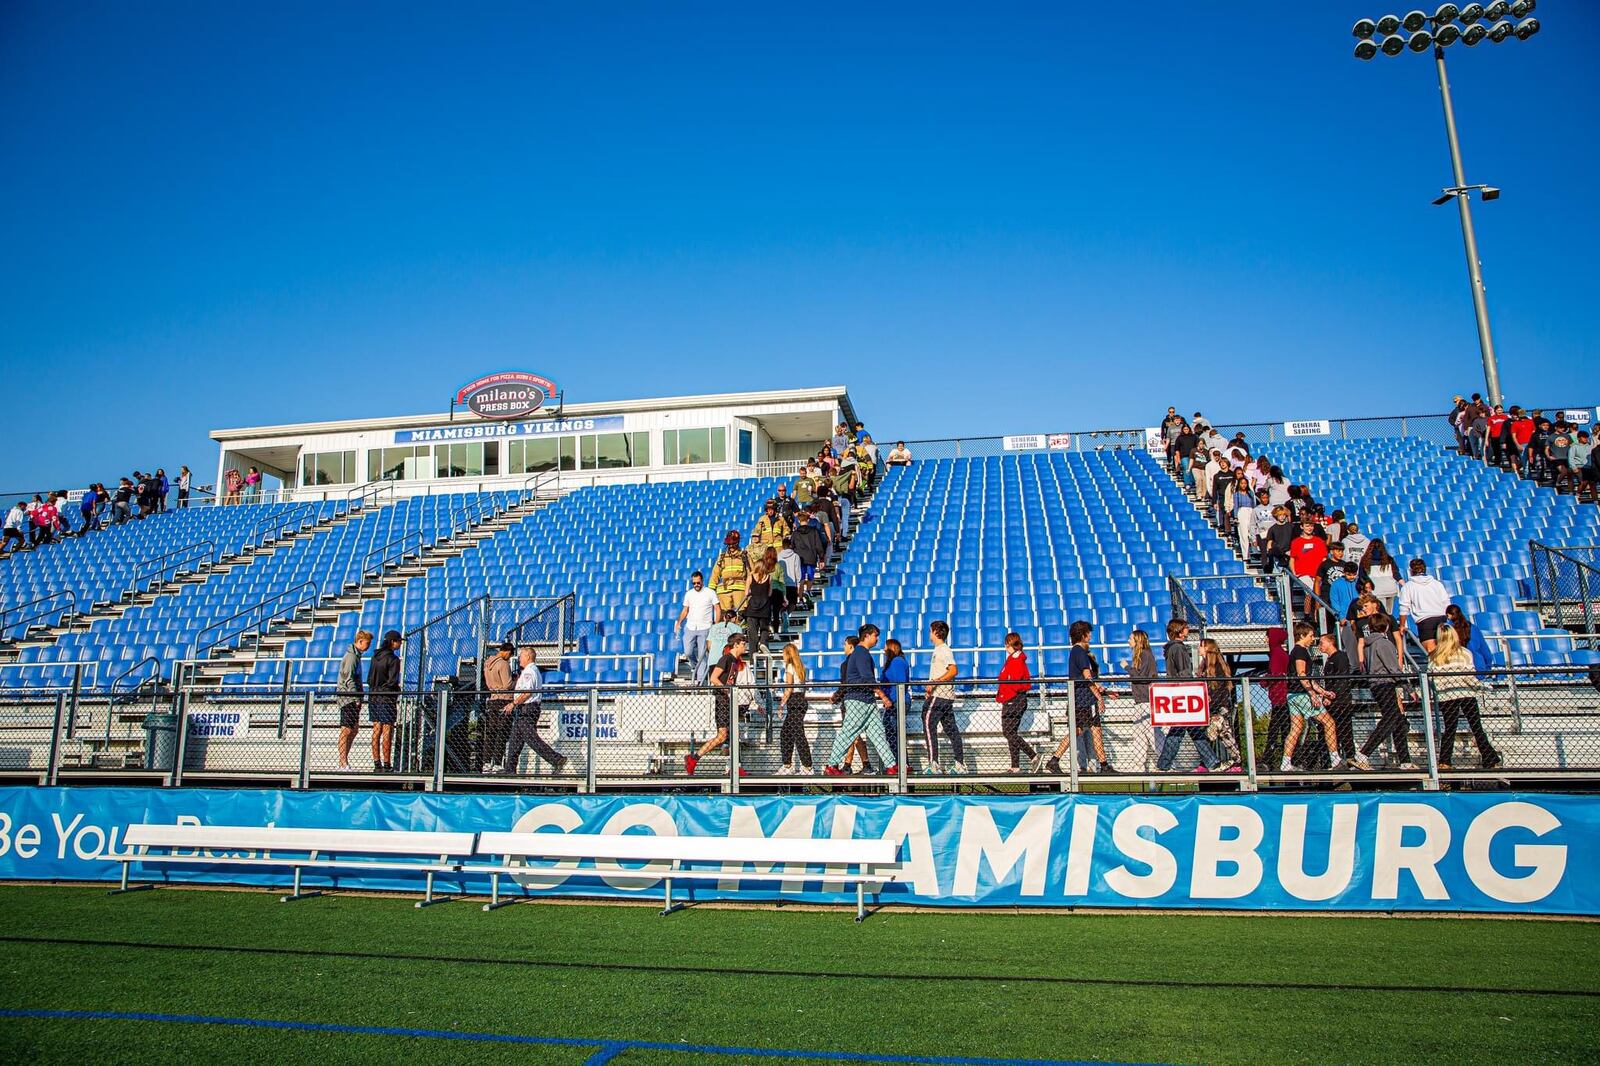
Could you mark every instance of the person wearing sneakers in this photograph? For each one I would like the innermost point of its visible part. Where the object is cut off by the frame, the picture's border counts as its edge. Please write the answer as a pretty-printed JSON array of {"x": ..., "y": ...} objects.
[
  {"x": 1386, "y": 673},
  {"x": 938, "y": 704},
  {"x": 349, "y": 687},
  {"x": 494, "y": 727},
  {"x": 1308, "y": 701},
  {"x": 525, "y": 718},
  {"x": 1180, "y": 664},
  {"x": 861, "y": 691},
  {"x": 1456, "y": 687},
  {"x": 1088, "y": 701},
  {"x": 1012, "y": 696},
  {"x": 723, "y": 677},
  {"x": 1224, "y": 700},
  {"x": 383, "y": 702}
]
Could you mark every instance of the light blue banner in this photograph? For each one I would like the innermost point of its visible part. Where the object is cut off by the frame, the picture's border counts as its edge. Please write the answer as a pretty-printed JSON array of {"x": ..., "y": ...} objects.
[
  {"x": 1491, "y": 852},
  {"x": 546, "y": 427}
]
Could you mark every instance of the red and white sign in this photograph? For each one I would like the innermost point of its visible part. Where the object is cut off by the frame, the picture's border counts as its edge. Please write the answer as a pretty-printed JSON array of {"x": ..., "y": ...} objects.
[{"x": 1179, "y": 703}]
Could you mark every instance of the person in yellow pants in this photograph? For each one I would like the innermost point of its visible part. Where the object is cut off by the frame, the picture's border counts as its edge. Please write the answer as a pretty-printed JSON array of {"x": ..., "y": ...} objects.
[{"x": 730, "y": 575}]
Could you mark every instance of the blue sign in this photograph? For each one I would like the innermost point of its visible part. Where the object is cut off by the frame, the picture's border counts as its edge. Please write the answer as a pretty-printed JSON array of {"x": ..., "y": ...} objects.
[
  {"x": 470, "y": 431},
  {"x": 1485, "y": 852}
]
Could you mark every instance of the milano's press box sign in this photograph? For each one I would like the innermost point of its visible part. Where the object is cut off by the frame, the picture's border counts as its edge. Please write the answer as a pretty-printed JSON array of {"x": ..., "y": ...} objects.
[
  {"x": 1179, "y": 703},
  {"x": 507, "y": 395}
]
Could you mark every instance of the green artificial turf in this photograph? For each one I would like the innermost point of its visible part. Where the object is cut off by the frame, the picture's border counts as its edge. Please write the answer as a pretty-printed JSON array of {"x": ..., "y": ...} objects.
[{"x": 1160, "y": 988}]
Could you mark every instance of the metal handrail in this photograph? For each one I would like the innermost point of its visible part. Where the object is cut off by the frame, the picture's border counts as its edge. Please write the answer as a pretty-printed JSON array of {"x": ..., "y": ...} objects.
[
  {"x": 199, "y": 645},
  {"x": 404, "y": 538},
  {"x": 146, "y": 568},
  {"x": 567, "y": 605},
  {"x": 303, "y": 516},
  {"x": 116, "y": 682},
  {"x": 1588, "y": 581},
  {"x": 65, "y": 614},
  {"x": 532, "y": 484},
  {"x": 355, "y": 498}
]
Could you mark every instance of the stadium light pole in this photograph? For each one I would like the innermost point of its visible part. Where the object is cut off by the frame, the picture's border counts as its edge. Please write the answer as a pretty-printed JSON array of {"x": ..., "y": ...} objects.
[{"x": 1439, "y": 31}]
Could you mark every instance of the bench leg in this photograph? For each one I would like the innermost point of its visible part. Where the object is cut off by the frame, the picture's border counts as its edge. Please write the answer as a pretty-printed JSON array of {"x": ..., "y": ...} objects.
[
  {"x": 124, "y": 886},
  {"x": 297, "y": 894},
  {"x": 428, "y": 898},
  {"x": 495, "y": 902},
  {"x": 667, "y": 905},
  {"x": 861, "y": 901}
]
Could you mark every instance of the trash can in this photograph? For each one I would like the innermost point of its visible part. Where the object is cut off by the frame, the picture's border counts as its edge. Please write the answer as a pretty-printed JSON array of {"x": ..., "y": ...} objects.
[{"x": 160, "y": 740}]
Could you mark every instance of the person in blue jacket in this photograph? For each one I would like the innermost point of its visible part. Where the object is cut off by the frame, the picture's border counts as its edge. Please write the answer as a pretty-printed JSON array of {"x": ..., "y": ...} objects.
[
  {"x": 896, "y": 672},
  {"x": 1471, "y": 638}
]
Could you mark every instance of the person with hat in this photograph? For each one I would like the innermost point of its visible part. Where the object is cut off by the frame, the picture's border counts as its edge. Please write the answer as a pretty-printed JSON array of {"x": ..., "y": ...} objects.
[
  {"x": 770, "y": 529},
  {"x": 495, "y": 725},
  {"x": 524, "y": 710},
  {"x": 383, "y": 701},
  {"x": 730, "y": 575},
  {"x": 349, "y": 689}
]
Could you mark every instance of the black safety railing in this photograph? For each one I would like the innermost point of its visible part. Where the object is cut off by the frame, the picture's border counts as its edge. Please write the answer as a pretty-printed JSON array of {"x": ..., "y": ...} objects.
[
  {"x": 254, "y": 619},
  {"x": 278, "y": 521},
  {"x": 56, "y": 608},
  {"x": 1566, "y": 584},
  {"x": 152, "y": 574},
  {"x": 407, "y": 545}
]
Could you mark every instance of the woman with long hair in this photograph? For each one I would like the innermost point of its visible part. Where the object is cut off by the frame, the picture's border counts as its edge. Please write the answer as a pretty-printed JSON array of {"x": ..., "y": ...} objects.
[
  {"x": 1456, "y": 688},
  {"x": 895, "y": 673},
  {"x": 1470, "y": 637},
  {"x": 792, "y": 738},
  {"x": 1277, "y": 487},
  {"x": 1384, "y": 573},
  {"x": 1219, "y": 683},
  {"x": 758, "y": 605},
  {"x": 1142, "y": 670},
  {"x": 1012, "y": 696}
]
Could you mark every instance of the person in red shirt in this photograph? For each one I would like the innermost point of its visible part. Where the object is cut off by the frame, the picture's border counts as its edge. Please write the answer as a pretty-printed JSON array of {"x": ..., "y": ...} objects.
[
  {"x": 1307, "y": 553},
  {"x": 1521, "y": 430},
  {"x": 1497, "y": 442},
  {"x": 1013, "y": 699},
  {"x": 45, "y": 518}
]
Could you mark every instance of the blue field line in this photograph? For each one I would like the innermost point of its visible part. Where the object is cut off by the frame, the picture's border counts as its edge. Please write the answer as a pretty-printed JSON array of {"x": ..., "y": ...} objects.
[{"x": 605, "y": 1050}]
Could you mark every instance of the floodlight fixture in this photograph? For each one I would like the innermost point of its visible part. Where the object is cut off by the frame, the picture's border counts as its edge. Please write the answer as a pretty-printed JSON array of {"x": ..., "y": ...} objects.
[
  {"x": 1496, "y": 10},
  {"x": 1470, "y": 14},
  {"x": 1446, "y": 13},
  {"x": 1443, "y": 198},
  {"x": 1521, "y": 9},
  {"x": 1420, "y": 41},
  {"x": 1393, "y": 45},
  {"x": 1365, "y": 50},
  {"x": 1500, "y": 31},
  {"x": 1388, "y": 24},
  {"x": 1447, "y": 35},
  {"x": 1473, "y": 34},
  {"x": 1489, "y": 192},
  {"x": 1364, "y": 28},
  {"x": 1527, "y": 28},
  {"x": 1414, "y": 21}
]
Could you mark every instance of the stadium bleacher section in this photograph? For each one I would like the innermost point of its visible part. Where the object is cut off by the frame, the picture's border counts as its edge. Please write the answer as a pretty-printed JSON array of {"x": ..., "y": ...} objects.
[{"x": 1472, "y": 522}]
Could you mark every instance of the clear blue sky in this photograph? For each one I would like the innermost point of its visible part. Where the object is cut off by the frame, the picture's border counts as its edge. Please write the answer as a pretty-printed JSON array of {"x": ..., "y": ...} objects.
[{"x": 981, "y": 218}]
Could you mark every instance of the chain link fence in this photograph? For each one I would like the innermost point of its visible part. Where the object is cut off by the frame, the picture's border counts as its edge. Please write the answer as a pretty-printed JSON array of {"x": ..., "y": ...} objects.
[{"x": 1566, "y": 584}]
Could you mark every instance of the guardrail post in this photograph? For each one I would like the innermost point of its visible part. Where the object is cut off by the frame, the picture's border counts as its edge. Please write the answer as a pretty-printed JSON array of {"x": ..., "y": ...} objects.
[
  {"x": 1516, "y": 702},
  {"x": 1250, "y": 783},
  {"x": 77, "y": 690},
  {"x": 52, "y": 766},
  {"x": 1425, "y": 687},
  {"x": 180, "y": 754},
  {"x": 305, "y": 742},
  {"x": 588, "y": 741},
  {"x": 283, "y": 698},
  {"x": 733, "y": 738},
  {"x": 1072, "y": 733},
  {"x": 1583, "y": 598},
  {"x": 900, "y": 726},
  {"x": 440, "y": 722}
]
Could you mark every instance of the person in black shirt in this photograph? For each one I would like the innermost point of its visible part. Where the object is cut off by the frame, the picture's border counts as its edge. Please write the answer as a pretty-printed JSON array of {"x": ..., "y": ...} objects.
[
  {"x": 1336, "y": 679},
  {"x": 723, "y": 677},
  {"x": 1307, "y": 700},
  {"x": 383, "y": 699}
]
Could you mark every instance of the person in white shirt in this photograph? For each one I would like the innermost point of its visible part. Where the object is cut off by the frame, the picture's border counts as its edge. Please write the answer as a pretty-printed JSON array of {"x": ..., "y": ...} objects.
[
  {"x": 16, "y": 536},
  {"x": 700, "y": 612},
  {"x": 525, "y": 718},
  {"x": 938, "y": 705},
  {"x": 899, "y": 455},
  {"x": 1355, "y": 542},
  {"x": 1426, "y": 599}
]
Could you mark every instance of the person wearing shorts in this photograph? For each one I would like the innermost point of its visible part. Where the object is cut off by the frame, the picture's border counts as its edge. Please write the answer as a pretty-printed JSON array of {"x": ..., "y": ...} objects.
[
  {"x": 383, "y": 701},
  {"x": 349, "y": 689},
  {"x": 1425, "y": 599},
  {"x": 1307, "y": 700}
]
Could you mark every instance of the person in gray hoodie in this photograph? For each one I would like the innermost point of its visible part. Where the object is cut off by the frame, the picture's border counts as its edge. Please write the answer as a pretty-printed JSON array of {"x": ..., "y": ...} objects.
[
  {"x": 1180, "y": 665},
  {"x": 1387, "y": 673},
  {"x": 349, "y": 689}
]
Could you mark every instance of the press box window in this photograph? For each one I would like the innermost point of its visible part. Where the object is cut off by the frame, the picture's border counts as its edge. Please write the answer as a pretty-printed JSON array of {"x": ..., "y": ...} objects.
[
  {"x": 689, "y": 446},
  {"x": 609, "y": 451},
  {"x": 398, "y": 464},
  {"x": 480, "y": 459},
  {"x": 542, "y": 453},
  {"x": 328, "y": 468}
]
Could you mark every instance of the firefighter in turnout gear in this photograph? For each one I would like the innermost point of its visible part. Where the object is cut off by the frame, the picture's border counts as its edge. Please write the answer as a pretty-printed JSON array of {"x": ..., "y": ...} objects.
[{"x": 730, "y": 576}]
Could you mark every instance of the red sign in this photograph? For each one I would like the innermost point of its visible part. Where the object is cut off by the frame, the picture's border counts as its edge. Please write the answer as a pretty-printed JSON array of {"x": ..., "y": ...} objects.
[
  {"x": 507, "y": 395},
  {"x": 1179, "y": 703}
]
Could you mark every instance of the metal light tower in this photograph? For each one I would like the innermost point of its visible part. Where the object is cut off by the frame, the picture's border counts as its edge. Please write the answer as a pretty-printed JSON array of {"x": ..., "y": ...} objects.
[{"x": 1440, "y": 31}]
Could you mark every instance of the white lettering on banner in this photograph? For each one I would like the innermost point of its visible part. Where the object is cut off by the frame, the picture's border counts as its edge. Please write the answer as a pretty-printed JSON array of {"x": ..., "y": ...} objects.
[
  {"x": 637, "y": 879},
  {"x": 981, "y": 840},
  {"x": 1179, "y": 703},
  {"x": 1026, "y": 442},
  {"x": 1548, "y": 861},
  {"x": 1080, "y": 849},
  {"x": 1143, "y": 850},
  {"x": 1391, "y": 854},
  {"x": 226, "y": 725},
  {"x": 1307, "y": 429},
  {"x": 559, "y": 816},
  {"x": 470, "y": 431},
  {"x": 908, "y": 827},
  {"x": 1335, "y": 877},
  {"x": 798, "y": 824},
  {"x": 1212, "y": 850},
  {"x": 1578, "y": 416}
]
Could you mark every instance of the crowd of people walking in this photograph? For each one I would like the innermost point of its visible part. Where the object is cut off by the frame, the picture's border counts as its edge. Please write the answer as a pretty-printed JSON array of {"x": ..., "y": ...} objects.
[{"x": 48, "y": 517}]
